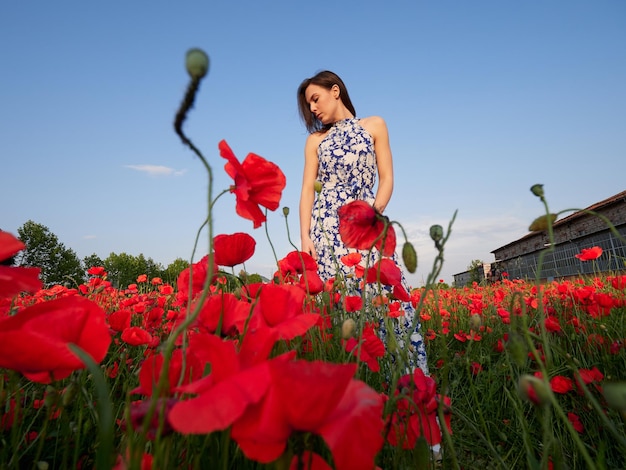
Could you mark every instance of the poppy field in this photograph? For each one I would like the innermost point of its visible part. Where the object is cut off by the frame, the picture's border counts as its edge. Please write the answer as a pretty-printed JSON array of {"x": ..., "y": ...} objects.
[{"x": 226, "y": 370}]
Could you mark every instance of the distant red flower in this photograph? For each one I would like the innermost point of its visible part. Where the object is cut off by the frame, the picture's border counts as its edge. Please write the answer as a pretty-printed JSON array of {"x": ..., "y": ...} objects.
[
  {"x": 258, "y": 182},
  {"x": 136, "y": 336},
  {"x": 231, "y": 250},
  {"x": 552, "y": 324},
  {"x": 119, "y": 320},
  {"x": 353, "y": 303},
  {"x": 142, "y": 278},
  {"x": 619, "y": 282},
  {"x": 588, "y": 254},
  {"x": 36, "y": 340},
  {"x": 351, "y": 259},
  {"x": 198, "y": 272},
  {"x": 575, "y": 420},
  {"x": 560, "y": 384},
  {"x": 361, "y": 227},
  {"x": 15, "y": 280},
  {"x": 96, "y": 271},
  {"x": 225, "y": 310}
]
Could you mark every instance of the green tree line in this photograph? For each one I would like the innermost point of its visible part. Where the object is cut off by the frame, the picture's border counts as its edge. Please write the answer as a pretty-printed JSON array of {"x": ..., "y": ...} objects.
[{"x": 61, "y": 265}]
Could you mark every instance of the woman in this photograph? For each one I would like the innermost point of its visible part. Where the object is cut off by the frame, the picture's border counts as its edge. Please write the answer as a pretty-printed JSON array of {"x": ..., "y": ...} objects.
[{"x": 346, "y": 155}]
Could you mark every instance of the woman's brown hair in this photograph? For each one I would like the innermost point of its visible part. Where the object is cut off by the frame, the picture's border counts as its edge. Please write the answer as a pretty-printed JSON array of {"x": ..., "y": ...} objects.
[{"x": 325, "y": 79}]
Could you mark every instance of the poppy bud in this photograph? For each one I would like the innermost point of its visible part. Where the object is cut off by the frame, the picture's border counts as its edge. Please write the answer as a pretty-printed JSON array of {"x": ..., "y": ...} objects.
[
  {"x": 533, "y": 389},
  {"x": 475, "y": 321},
  {"x": 69, "y": 394},
  {"x": 197, "y": 63},
  {"x": 537, "y": 190},
  {"x": 541, "y": 223},
  {"x": 285, "y": 211},
  {"x": 516, "y": 347},
  {"x": 409, "y": 256},
  {"x": 436, "y": 232},
  {"x": 615, "y": 395},
  {"x": 348, "y": 328},
  {"x": 317, "y": 186},
  {"x": 51, "y": 397}
]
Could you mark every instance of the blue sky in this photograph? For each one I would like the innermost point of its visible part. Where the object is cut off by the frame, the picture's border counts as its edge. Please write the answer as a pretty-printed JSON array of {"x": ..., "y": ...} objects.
[{"x": 482, "y": 99}]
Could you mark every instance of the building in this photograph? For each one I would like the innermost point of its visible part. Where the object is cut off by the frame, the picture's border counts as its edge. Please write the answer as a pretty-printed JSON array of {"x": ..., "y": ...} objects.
[{"x": 522, "y": 258}]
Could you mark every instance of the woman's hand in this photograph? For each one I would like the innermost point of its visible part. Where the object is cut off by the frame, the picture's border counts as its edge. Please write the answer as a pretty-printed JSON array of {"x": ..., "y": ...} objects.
[{"x": 308, "y": 247}]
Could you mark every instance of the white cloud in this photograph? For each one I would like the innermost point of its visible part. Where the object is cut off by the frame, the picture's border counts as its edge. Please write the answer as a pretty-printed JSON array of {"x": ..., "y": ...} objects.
[
  {"x": 157, "y": 170},
  {"x": 470, "y": 239}
]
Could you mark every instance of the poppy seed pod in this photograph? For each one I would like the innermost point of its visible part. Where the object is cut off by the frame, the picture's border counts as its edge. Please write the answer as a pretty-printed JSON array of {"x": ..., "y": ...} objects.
[
  {"x": 409, "y": 256},
  {"x": 285, "y": 211},
  {"x": 317, "y": 186},
  {"x": 537, "y": 190},
  {"x": 197, "y": 63},
  {"x": 436, "y": 232}
]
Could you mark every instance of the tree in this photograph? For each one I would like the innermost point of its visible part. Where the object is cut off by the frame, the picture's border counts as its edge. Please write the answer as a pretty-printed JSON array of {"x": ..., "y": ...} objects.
[
  {"x": 91, "y": 261},
  {"x": 173, "y": 270},
  {"x": 59, "y": 265},
  {"x": 123, "y": 269},
  {"x": 476, "y": 271}
]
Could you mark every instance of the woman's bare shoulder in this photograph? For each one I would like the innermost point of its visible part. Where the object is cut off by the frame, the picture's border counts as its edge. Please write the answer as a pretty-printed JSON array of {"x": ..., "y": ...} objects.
[
  {"x": 375, "y": 125},
  {"x": 314, "y": 139}
]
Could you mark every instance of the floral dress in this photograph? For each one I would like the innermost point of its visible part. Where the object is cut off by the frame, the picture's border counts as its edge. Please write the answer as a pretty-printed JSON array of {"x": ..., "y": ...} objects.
[{"x": 347, "y": 171}]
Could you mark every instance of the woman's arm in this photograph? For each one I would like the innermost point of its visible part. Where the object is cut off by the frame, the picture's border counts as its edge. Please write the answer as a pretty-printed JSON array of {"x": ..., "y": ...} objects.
[
  {"x": 307, "y": 195},
  {"x": 377, "y": 128}
]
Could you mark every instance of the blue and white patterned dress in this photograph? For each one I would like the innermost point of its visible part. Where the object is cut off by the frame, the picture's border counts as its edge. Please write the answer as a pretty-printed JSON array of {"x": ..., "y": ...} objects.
[{"x": 347, "y": 170}]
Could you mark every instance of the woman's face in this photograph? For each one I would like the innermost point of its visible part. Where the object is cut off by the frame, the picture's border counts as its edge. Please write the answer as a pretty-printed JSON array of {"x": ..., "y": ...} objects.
[{"x": 323, "y": 102}]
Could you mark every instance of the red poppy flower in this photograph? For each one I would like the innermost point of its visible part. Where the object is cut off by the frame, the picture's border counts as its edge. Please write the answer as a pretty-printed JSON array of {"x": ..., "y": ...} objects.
[
  {"x": 416, "y": 411},
  {"x": 231, "y": 250},
  {"x": 560, "y": 384},
  {"x": 119, "y": 320},
  {"x": 36, "y": 340},
  {"x": 317, "y": 397},
  {"x": 136, "y": 336},
  {"x": 575, "y": 420},
  {"x": 351, "y": 259},
  {"x": 225, "y": 310},
  {"x": 235, "y": 382},
  {"x": 370, "y": 349},
  {"x": 257, "y": 183},
  {"x": 353, "y": 303},
  {"x": 588, "y": 254},
  {"x": 311, "y": 282},
  {"x": 361, "y": 227},
  {"x": 296, "y": 262},
  {"x": 280, "y": 307},
  {"x": 198, "y": 272},
  {"x": 15, "y": 280}
]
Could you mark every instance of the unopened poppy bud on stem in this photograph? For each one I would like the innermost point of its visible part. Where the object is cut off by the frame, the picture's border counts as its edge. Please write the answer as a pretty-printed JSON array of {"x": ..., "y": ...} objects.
[
  {"x": 537, "y": 190},
  {"x": 285, "y": 211},
  {"x": 533, "y": 389},
  {"x": 409, "y": 256},
  {"x": 317, "y": 186},
  {"x": 475, "y": 321},
  {"x": 436, "y": 232},
  {"x": 348, "y": 328},
  {"x": 197, "y": 63}
]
